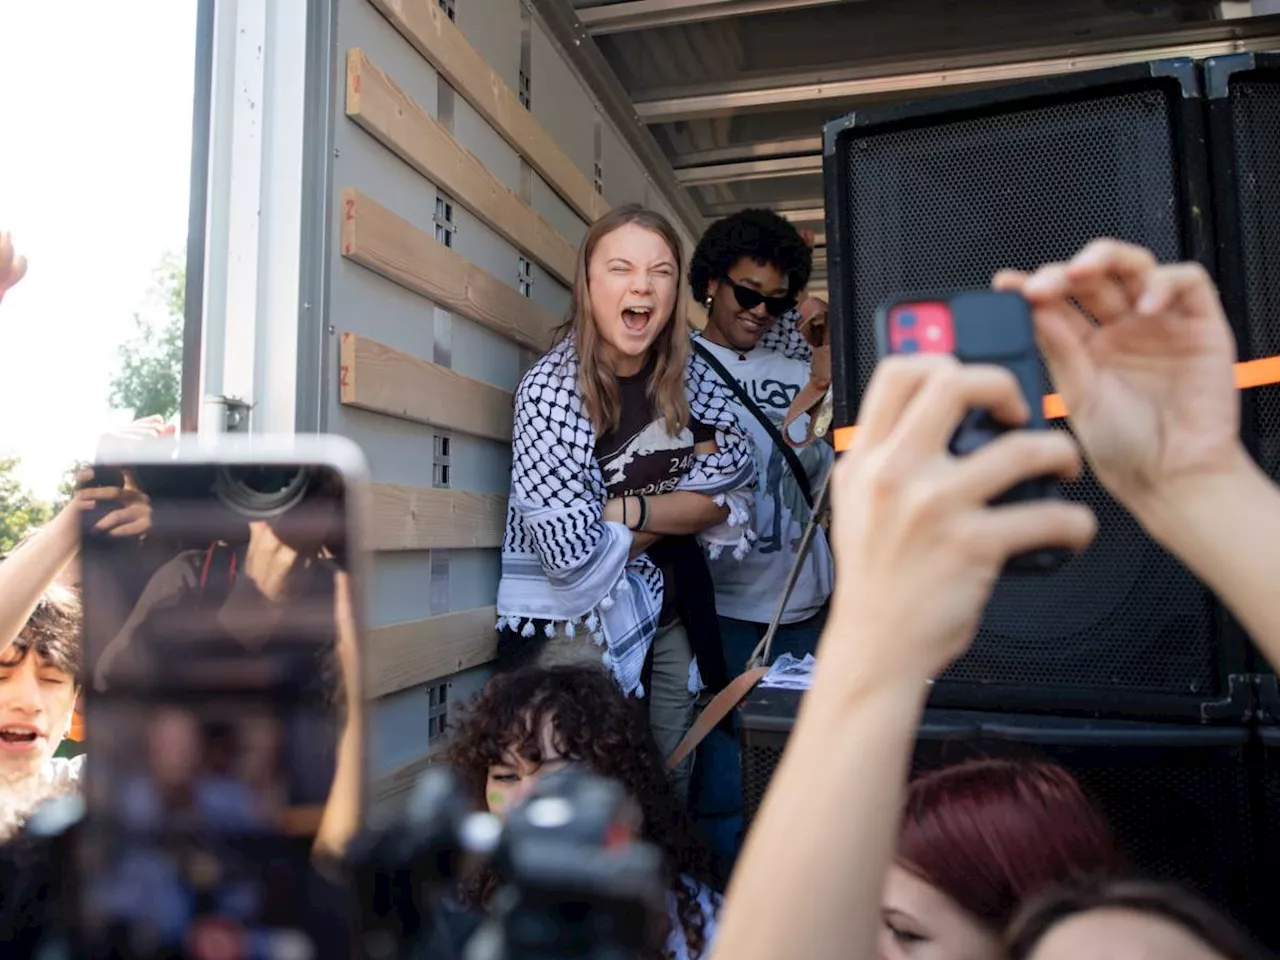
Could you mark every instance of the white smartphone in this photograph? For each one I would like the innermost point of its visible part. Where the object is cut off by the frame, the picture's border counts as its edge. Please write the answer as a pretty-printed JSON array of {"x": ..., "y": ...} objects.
[{"x": 223, "y": 707}]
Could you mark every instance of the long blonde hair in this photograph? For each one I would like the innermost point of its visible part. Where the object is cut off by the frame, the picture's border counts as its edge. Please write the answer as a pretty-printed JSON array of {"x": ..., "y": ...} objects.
[{"x": 597, "y": 381}]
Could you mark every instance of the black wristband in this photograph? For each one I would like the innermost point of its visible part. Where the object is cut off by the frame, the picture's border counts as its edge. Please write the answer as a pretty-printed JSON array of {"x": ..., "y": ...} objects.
[
  {"x": 644, "y": 513},
  {"x": 624, "y": 513}
]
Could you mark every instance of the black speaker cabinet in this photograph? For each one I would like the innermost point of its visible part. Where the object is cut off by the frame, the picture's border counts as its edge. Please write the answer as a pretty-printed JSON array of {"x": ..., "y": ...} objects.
[
  {"x": 1183, "y": 800},
  {"x": 943, "y": 193}
]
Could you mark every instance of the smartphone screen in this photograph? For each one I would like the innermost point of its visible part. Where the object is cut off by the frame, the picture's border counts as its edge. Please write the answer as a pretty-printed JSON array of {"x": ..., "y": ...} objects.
[{"x": 215, "y": 706}]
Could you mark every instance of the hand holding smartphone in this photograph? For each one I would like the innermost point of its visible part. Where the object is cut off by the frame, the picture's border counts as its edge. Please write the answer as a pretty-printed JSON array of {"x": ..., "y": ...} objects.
[{"x": 978, "y": 326}]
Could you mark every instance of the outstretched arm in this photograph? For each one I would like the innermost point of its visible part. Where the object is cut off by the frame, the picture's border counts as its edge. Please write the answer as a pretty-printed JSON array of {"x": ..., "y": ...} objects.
[{"x": 909, "y": 521}]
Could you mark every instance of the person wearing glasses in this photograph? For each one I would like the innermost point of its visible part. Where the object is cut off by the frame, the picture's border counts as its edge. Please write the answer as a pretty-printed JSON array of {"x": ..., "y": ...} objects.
[{"x": 750, "y": 271}]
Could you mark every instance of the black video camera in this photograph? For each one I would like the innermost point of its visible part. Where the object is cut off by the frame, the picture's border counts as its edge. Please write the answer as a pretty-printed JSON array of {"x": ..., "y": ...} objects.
[{"x": 574, "y": 881}]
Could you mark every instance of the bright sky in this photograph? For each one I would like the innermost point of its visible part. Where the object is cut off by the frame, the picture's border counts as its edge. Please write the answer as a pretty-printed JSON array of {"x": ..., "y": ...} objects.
[{"x": 95, "y": 140}]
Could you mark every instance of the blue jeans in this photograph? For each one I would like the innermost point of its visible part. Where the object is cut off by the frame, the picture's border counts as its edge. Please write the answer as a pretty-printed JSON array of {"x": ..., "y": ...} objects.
[{"x": 717, "y": 778}]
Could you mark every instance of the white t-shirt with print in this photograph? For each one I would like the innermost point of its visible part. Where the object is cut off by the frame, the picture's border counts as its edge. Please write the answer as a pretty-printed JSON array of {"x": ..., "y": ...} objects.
[{"x": 749, "y": 589}]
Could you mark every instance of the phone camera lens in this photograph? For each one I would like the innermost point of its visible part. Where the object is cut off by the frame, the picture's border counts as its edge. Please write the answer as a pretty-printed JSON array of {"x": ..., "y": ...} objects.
[
  {"x": 907, "y": 320},
  {"x": 909, "y": 346},
  {"x": 262, "y": 491}
]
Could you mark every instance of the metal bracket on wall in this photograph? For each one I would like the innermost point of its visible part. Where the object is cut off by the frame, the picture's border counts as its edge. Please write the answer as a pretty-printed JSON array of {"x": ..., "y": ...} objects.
[
  {"x": 524, "y": 277},
  {"x": 446, "y": 229},
  {"x": 525, "y": 90},
  {"x": 235, "y": 413},
  {"x": 440, "y": 460},
  {"x": 597, "y": 178},
  {"x": 437, "y": 710}
]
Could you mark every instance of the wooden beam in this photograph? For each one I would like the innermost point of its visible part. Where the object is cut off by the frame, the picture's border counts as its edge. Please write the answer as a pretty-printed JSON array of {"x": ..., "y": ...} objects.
[
  {"x": 381, "y": 379},
  {"x": 427, "y": 518},
  {"x": 392, "y": 247},
  {"x": 390, "y": 790},
  {"x": 404, "y": 655},
  {"x": 389, "y": 114},
  {"x": 435, "y": 36}
]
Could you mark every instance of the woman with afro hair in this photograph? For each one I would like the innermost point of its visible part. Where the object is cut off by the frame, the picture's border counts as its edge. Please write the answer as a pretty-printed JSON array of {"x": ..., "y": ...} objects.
[{"x": 750, "y": 270}]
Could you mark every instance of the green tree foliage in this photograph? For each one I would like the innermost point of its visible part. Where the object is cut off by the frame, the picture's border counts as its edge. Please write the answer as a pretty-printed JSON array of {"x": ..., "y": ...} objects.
[
  {"x": 20, "y": 511},
  {"x": 149, "y": 381}
]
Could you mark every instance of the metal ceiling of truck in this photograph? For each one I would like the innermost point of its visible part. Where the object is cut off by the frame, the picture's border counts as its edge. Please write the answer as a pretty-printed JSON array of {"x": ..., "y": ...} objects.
[{"x": 735, "y": 92}]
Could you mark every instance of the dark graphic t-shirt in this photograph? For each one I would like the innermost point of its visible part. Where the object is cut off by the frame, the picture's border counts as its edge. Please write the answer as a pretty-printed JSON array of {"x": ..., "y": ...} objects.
[{"x": 639, "y": 457}]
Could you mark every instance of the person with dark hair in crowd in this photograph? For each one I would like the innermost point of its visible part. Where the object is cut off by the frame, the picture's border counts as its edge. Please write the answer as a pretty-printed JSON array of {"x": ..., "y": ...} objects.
[
  {"x": 535, "y": 720},
  {"x": 749, "y": 269},
  {"x": 39, "y": 683},
  {"x": 978, "y": 840},
  {"x": 628, "y": 470},
  {"x": 1115, "y": 919}
]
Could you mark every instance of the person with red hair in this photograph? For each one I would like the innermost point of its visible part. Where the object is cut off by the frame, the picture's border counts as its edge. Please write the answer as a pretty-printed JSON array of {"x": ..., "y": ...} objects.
[{"x": 978, "y": 839}]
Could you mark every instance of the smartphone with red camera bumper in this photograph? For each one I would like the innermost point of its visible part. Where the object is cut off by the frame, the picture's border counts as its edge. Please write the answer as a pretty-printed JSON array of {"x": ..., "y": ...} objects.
[{"x": 978, "y": 326}]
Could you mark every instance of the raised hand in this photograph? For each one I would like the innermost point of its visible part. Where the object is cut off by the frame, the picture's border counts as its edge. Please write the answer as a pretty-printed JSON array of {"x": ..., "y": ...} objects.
[
  {"x": 917, "y": 547},
  {"x": 13, "y": 266},
  {"x": 1149, "y": 388}
]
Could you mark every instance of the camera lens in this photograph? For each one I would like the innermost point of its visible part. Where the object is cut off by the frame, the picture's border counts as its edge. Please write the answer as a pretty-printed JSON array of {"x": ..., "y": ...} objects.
[
  {"x": 907, "y": 320},
  {"x": 262, "y": 491},
  {"x": 909, "y": 346}
]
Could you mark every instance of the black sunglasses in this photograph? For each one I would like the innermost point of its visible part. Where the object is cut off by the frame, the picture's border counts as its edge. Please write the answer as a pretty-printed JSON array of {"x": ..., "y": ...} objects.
[{"x": 749, "y": 299}]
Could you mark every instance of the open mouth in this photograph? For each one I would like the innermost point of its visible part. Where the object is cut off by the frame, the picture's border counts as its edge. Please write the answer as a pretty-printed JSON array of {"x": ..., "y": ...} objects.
[
  {"x": 18, "y": 736},
  {"x": 636, "y": 319}
]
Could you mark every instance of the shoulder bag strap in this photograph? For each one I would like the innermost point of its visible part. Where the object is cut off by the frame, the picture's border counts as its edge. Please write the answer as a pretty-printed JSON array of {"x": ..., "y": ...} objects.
[
  {"x": 730, "y": 381},
  {"x": 728, "y": 698}
]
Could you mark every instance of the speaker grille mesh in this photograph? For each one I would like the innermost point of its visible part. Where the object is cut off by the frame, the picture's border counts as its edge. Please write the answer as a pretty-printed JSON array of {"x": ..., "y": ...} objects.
[
  {"x": 1255, "y": 116},
  {"x": 946, "y": 204}
]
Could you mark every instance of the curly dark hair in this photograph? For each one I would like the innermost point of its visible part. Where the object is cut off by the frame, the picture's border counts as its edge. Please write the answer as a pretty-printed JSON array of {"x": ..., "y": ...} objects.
[
  {"x": 597, "y": 726},
  {"x": 52, "y": 631},
  {"x": 761, "y": 235}
]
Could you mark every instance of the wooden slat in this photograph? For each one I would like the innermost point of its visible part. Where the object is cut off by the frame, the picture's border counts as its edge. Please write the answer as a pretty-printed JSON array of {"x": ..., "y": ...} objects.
[
  {"x": 390, "y": 790},
  {"x": 404, "y": 655},
  {"x": 375, "y": 377},
  {"x": 392, "y": 247},
  {"x": 388, "y": 113},
  {"x": 427, "y": 518},
  {"x": 435, "y": 36}
]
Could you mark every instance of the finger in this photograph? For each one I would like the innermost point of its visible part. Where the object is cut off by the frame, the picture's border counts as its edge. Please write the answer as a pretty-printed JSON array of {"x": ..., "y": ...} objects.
[
  {"x": 1126, "y": 263},
  {"x": 1048, "y": 290},
  {"x": 894, "y": 382},
  {"x": 136, "y": 528},
  {"x": 1066, "y": 354},
  {"x": 1037, "y": 525},
  {"x": 1013, "y": 457},
  {"x": 1184, "y": 286},
  {"x": 936, "y": 409},
  {"x": 1009, "y": 279},
  {"x": 106, "y": 493}
]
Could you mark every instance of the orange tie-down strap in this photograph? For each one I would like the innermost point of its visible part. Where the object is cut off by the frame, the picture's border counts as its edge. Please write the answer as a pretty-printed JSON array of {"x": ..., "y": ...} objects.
[{"x": 1249, "y": 373}]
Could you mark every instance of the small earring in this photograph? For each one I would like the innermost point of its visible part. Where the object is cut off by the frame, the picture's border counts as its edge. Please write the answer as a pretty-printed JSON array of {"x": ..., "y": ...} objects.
[{"x": 707, "y": 303}]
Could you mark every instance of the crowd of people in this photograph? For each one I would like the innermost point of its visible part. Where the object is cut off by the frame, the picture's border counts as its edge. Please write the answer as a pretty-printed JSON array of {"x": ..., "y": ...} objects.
[{"x": 662, "y": 482}]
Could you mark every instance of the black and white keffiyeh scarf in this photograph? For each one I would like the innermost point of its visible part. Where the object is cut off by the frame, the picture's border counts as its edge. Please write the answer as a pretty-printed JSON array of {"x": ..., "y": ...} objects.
[
  {"x": 561, "y": 562},
  {"x": 785, "y": 337}
]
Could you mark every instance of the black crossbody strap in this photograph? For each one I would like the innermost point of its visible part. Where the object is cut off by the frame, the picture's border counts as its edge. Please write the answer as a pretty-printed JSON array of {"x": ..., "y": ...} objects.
[{"x": 770, "y": 427}]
